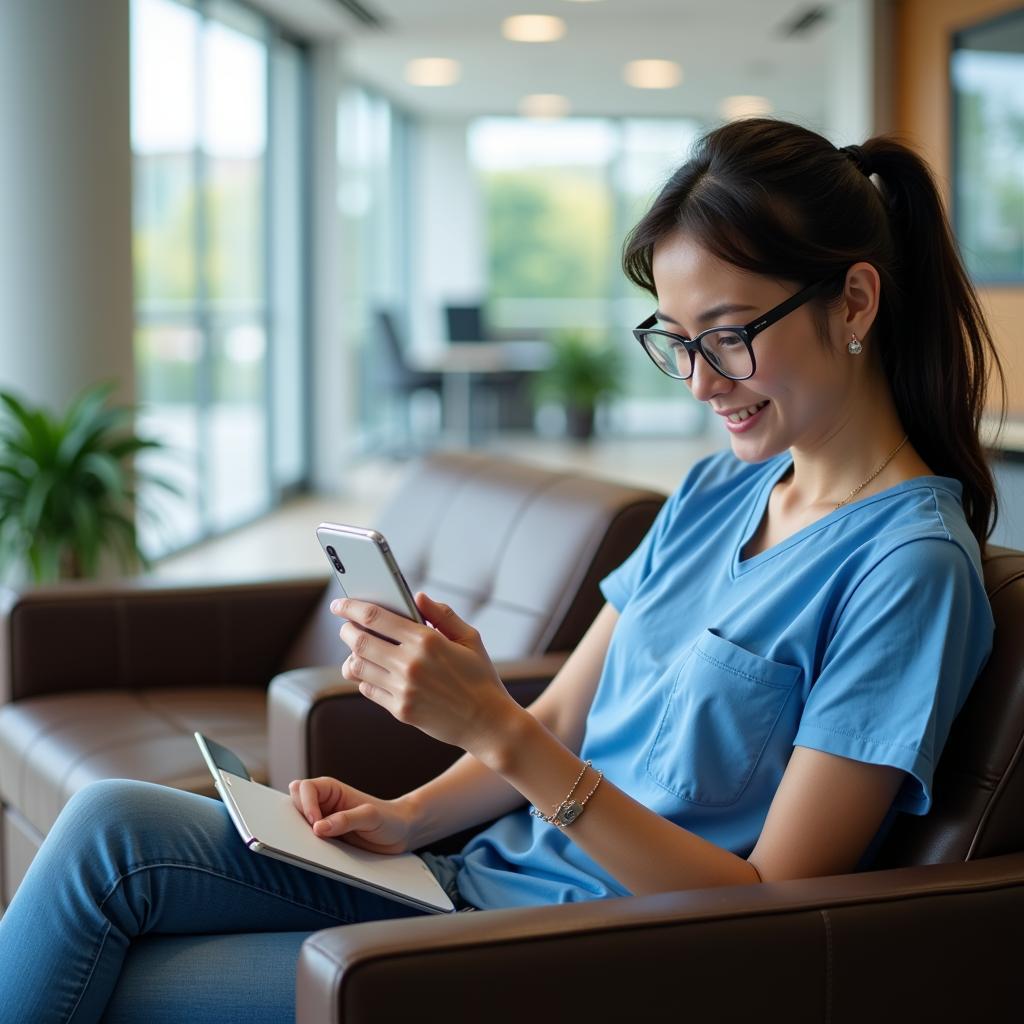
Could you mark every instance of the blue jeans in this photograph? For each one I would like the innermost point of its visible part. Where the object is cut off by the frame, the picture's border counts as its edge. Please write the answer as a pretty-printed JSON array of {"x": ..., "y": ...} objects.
[{"x": 144, "y": 905}]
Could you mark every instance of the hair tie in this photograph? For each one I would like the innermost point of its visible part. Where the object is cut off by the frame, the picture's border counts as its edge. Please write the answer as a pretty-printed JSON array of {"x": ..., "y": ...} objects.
[{"x": 860, "y": 159}]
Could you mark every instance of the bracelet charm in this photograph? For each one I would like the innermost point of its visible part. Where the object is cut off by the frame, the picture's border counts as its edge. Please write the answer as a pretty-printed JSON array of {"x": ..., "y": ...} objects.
[{"x": 569, "y": 809}]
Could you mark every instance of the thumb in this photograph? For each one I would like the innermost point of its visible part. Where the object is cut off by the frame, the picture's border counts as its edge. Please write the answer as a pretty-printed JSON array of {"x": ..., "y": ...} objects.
[
  {"x": 364, "y": 818},
  {"x": 443, "y": 619}
]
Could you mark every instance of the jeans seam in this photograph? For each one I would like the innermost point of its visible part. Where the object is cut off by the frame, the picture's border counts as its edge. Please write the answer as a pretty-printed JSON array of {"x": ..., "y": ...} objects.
[
  {"x": 135, "y": 869},
  {"x": 92, "y": 970}
]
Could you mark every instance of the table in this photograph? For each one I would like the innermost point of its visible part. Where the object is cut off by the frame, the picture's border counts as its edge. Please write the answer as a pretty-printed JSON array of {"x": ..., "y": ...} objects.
[{"x": 459, "y": 363}]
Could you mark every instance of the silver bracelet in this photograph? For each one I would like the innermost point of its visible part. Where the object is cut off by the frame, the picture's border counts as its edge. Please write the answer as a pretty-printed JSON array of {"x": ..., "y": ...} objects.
[{"x": 569, "y": 810}]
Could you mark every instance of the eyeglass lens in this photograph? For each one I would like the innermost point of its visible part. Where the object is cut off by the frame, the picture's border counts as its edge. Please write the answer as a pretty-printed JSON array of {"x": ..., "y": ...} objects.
[{"x": 725, "y": 350}]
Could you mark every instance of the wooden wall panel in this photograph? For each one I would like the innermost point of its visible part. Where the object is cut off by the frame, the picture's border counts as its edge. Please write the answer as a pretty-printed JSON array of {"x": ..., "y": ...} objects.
[{"x": 924, "y": 31}]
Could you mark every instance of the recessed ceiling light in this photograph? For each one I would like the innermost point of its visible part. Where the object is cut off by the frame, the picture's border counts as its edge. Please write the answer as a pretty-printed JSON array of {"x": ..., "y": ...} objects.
[
  {"x": 735, "y": 107},
  {"x": 652, "y": 74},
  {"x": 433, "y": 71},
  {"x": 544, "y": 104},
  {"x": 533, "y": 28}
]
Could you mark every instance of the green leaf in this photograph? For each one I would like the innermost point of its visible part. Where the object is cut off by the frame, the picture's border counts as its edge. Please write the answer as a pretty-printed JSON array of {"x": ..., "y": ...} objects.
[
  {"x": 162, "y": 482},
  {"x": 131, "y": 445},
  {"x": 106, "y": 470},
  {"x": 87, "y": 533},
  {"x": 65, "y": 483},
  {"x": 87, "y": 404},
  {"x": 94, "y": 434},
  {"x": 35, "y": 501},
  {"x": 37, "y": 433},
  {"x": 9, "y": 469}
]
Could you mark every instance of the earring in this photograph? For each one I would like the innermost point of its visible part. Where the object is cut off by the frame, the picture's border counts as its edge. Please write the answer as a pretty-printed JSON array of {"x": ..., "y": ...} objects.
[{"x": 855, "y": 347}]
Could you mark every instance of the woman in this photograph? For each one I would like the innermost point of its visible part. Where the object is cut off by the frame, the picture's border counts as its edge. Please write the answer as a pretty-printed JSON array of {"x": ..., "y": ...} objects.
[{"x": 773, "y": 676}]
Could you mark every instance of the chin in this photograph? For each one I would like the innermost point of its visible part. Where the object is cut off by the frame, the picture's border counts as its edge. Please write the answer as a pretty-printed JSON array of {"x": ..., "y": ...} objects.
[{"x": 754, "y": 449}]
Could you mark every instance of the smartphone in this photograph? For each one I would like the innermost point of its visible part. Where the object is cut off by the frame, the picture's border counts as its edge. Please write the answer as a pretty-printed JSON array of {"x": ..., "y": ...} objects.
[{"x": 366, "y": 569}]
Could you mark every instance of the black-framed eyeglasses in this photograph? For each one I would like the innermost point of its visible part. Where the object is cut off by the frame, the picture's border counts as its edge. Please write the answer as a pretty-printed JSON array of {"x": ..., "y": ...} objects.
[{"x": 728, "y": 349}]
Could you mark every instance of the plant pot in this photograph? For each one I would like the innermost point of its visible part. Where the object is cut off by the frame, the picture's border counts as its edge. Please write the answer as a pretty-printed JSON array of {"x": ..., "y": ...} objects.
[{"x": 579, "y": 422}]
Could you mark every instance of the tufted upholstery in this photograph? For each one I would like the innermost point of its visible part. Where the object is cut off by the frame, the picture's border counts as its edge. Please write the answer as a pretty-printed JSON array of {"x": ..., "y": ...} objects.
[
  {"x": 515, "y": 548},
  {"x": 110, "y": 680}
]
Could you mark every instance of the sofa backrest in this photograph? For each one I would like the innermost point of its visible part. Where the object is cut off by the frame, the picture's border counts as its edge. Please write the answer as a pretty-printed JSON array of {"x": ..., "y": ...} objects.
[
  {"x": 516, "y": 549},
  {"x": 978, "y": 805}
]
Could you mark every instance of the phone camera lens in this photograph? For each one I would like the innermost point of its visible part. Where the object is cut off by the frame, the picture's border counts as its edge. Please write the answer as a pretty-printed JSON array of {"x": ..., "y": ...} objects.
[
  {"x": 332, "y": 552},
  {"x": 338, "y": 565}
]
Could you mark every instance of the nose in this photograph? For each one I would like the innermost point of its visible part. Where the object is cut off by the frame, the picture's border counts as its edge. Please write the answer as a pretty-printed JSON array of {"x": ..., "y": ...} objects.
[{"x": 705, "y": 383}]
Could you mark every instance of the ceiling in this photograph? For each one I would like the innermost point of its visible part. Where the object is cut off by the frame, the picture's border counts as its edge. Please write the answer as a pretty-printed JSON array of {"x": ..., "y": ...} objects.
[{"x": 725, "y": 47}]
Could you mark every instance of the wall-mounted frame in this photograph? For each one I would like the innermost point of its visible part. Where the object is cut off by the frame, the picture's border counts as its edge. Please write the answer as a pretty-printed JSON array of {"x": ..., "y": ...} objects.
[{"x": 987, "y": 102}]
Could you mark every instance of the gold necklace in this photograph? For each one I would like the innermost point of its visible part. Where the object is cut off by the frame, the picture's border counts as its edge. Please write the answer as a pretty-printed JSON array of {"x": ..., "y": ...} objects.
[{"x": 892, "y": 455}]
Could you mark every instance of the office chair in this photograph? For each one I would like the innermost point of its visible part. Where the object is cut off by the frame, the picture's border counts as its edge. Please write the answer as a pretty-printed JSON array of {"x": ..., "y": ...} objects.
[{"x": 395, "y": 375}]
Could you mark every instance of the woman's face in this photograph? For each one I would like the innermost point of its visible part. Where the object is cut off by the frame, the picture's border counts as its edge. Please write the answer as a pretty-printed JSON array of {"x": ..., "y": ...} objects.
[{"x": 801, "y": 391}]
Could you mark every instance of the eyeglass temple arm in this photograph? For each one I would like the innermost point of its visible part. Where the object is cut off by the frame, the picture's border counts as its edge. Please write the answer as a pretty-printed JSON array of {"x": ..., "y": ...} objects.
[{"x": 756, "y": 326}]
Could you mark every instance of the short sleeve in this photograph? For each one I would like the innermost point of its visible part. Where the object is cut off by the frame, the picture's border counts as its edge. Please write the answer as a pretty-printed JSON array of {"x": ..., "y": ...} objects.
[
  {"x": 903, "y": 656},
  {"x": 620, "y": 584}
]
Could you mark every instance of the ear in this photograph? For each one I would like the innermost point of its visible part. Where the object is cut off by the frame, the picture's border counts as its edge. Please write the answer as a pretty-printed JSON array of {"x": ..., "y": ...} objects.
[{"x": 860, "y": 300}]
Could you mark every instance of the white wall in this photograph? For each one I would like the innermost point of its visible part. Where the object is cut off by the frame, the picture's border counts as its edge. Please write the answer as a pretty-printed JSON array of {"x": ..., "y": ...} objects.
[
  {"x": 66, "y": 317},
  {"x": 332, "y": 355},
  {"x": 447, "y": 232},
  {"x": 858, "y": 98}
]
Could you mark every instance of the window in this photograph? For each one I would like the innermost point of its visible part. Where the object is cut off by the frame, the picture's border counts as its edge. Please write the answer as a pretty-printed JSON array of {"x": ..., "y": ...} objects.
[
  {"x": 219, "y": 243},
  {"x": 559, "y": 197},
  {"x": 987, "y": 74}
]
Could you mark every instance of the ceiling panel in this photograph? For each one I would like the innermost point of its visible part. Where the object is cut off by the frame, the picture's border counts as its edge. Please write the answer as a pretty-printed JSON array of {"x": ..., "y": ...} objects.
[{"x": 725, "y": 47}]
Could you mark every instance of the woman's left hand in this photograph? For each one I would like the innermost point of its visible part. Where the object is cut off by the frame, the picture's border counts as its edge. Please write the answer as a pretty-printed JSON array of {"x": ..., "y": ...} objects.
[{"x": 439, "y": 679}]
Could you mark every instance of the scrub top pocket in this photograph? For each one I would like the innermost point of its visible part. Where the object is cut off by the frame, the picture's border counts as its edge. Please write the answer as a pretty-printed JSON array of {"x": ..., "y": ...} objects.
[{"x": 721, "y": 711}]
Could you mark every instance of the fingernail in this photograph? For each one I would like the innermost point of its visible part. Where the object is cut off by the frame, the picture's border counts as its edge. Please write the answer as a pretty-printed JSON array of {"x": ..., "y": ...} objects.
[{"x": 335, "y": 605}]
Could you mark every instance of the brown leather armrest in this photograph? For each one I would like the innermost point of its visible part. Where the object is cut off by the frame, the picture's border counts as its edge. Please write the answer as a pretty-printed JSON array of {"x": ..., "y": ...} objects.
[
  {"x": 142, "y": 632},
  {"x": 320, "y": 725},
  {"x": 937, "y": 942}
]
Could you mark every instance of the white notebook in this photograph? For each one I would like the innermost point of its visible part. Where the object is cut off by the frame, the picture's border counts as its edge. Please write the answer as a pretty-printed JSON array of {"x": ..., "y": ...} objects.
[{"x": 270, "y": 824}]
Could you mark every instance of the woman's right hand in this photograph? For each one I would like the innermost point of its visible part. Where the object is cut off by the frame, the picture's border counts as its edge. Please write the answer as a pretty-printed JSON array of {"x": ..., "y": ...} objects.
[{"x": 337, "y": 811}]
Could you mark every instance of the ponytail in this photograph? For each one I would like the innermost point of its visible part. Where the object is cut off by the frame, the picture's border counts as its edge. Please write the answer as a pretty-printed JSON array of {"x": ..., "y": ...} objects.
[
  {"x": 939, "y": 353},
  {"x": 780, "y": 200}
]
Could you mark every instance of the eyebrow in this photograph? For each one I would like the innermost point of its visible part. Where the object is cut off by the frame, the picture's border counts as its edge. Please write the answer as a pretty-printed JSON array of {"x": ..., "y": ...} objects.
[{"x": 709, "y": 314}]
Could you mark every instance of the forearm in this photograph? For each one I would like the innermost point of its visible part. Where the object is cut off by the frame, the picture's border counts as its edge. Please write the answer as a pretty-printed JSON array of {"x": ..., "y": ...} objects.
[
  {"x": 466, "y": 794},
  {"x": 645, "y": 852},
  {"x": 470, "y": 793}
]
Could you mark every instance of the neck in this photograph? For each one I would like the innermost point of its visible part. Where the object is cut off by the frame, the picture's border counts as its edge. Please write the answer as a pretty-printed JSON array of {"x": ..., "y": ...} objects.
[{"x": 828, "y": 468}]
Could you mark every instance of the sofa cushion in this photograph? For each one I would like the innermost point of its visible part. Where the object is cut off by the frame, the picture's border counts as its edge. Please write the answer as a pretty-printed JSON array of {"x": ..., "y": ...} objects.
[{"x": 50, "y": 747}]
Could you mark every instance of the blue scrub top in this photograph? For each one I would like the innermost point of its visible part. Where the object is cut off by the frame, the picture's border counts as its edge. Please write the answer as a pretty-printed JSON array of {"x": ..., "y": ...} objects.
[{"x": 860, "y": 635}]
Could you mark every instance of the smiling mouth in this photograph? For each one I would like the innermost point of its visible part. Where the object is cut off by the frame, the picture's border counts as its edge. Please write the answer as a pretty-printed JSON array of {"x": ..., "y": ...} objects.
[{"x": 745, "y": 414}]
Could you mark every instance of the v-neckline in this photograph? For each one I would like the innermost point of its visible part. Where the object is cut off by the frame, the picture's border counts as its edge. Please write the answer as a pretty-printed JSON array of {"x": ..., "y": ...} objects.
[{"x": 759, "y": 509}]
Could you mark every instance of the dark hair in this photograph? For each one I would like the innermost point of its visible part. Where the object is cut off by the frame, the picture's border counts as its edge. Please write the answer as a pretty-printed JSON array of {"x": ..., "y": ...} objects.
[{"x": 780, "y": 200}]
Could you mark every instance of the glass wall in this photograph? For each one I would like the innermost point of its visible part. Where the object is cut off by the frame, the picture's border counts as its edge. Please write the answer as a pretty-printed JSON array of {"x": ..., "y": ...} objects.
[
  {"x": 219, "y": 235},
  {"x": 988, "y": 177},
  {"x": 373, "y": 153},
  {"x": 559, "y": 198}
]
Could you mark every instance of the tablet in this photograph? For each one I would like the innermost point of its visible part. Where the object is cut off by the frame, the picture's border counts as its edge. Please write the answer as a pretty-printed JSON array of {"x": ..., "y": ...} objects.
[{"x": 270, "y": 824}]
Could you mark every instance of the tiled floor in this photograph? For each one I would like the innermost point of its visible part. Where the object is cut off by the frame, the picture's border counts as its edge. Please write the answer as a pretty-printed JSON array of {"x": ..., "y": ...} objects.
[{"x": 284, "y": 544}]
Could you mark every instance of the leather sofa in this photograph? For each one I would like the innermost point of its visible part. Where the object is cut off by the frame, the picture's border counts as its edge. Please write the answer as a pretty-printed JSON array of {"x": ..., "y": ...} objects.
[
  {"x": 935, "y": 932},
  {"x": 110, "y": 680}
]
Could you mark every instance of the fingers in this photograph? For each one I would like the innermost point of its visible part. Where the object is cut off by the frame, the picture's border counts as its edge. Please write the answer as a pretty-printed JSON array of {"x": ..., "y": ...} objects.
[
  {"x": 443, "y": 618},
  {"x": 368, "y": 647},
  {"x": 372, "y": 616},
  {"x": 313, "y": 796},
  {"x": 364, "y": 818},
  {"x": 359, "y": 670}
]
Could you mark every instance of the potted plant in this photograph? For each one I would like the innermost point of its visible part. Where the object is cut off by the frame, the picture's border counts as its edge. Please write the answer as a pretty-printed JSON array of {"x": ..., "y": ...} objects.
[
  {"x": 582, "y": 371},
  {"x": 66, "y": 487}
]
